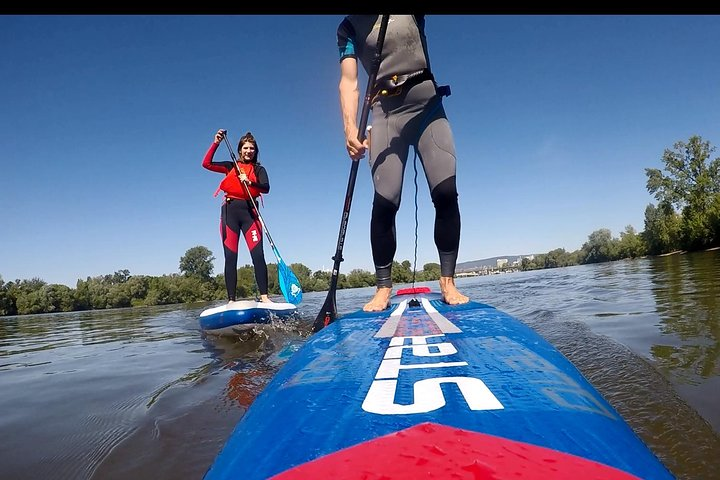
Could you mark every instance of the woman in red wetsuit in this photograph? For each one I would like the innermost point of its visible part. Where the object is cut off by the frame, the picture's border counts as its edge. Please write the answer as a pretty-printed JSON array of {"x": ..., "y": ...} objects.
[{"x": 237, "y": 214}]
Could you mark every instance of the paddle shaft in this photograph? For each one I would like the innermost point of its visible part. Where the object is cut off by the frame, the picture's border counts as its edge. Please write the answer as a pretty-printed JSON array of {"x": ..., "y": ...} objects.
[{"x": 329, "y": 312}]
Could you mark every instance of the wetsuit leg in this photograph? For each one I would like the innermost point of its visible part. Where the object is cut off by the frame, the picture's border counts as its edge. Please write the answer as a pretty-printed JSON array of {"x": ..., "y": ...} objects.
[
  {"x": 229, "y": 228},
  {"x": 418, "y": 119},
  {"x": 252, "y": 231},
  {"x": 436, "y": 150},
  {"x": 388, "y": 156},
  {"x": 383, "y": 239}
]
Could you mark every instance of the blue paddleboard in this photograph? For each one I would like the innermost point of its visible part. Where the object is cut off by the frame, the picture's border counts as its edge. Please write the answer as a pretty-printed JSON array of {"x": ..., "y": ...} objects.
[
  {"x": 235, "y": 317},
  {"x": 429, "y": 390}
]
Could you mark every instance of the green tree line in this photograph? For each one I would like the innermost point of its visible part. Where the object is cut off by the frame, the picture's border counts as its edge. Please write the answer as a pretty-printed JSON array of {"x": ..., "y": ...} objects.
[
  {"x": 686, "y": 217},
  {"x": 194, "y": 283}
]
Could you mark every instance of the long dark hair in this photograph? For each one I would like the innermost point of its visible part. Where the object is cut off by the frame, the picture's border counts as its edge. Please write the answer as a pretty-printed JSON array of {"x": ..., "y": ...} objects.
[{"x": 248, "y": 138}]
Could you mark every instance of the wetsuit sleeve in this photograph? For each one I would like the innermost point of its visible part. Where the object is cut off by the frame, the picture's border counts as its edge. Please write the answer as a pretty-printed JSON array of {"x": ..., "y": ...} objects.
[
  {"x": 346, "y": 40},
  {"x": 221, "y": 167},
  {"x": 263, "y": 183}
]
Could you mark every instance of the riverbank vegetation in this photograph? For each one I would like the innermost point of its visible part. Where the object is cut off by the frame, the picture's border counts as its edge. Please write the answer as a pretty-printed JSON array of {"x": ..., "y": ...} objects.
[{"x": 685, "y": 218}]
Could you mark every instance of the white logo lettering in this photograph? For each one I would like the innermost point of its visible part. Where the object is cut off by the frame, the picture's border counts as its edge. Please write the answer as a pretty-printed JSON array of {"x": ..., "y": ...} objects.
[
  {"x": 427, "y": 394},
  {"x": 419, "y": 347}
]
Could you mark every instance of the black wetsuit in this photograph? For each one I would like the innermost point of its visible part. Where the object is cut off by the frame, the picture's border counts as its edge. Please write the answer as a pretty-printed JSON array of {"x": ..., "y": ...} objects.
[
  {"x": 410, "y": 115},
  {"x": 238, "y": 216}
]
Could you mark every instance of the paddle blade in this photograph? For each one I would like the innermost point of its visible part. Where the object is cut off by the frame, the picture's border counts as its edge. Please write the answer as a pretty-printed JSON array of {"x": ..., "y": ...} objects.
[
  {"x": 328, "y": 313},
  {"x": 289, "y": 284}
]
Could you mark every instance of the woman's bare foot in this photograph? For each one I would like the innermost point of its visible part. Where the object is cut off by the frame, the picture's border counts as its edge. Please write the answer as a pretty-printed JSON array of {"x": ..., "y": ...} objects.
[
  {"x": 380, "y": 301},
  {"x": 265, "y": 299},
  {"x": 450, "y": 293}
]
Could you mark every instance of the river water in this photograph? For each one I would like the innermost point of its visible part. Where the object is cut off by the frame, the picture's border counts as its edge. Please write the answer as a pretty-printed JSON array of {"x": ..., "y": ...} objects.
[{"x": 143, "y": 394}]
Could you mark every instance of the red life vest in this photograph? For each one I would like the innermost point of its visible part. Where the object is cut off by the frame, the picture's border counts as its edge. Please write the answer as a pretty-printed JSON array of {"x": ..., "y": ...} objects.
[{"x": 233, "y": 187}]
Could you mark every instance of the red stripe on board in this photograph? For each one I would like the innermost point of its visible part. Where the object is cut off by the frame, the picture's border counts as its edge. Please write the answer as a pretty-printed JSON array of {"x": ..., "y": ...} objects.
[
  {"x": 432, "y": 451},
  {"x": 413, "y": 290}
]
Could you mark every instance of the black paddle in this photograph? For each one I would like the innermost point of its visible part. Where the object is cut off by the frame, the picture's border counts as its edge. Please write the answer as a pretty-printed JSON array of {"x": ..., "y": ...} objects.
[{"x": 328, "y": 312}]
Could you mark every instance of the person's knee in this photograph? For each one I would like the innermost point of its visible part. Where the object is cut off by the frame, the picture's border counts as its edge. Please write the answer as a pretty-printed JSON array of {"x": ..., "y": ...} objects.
[
  {"x": 445, "y": 195},
  {"x": 383, "y": 209}
]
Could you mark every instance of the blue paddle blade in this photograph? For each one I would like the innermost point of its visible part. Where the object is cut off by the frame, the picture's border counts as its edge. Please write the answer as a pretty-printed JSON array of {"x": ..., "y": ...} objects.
[{"x": 289, "y": 284}]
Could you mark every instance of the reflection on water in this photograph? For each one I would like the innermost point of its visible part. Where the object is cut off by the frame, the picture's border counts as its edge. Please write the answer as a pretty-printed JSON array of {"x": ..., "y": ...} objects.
[
  {"x": 254, "y": 356},
  {"x": 687, "y": 295},
  {"x": 142, "y": 393}
]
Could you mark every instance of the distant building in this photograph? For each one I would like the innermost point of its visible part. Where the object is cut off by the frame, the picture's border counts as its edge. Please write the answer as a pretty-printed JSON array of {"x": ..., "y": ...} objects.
[{"x": 501, "y": 262}]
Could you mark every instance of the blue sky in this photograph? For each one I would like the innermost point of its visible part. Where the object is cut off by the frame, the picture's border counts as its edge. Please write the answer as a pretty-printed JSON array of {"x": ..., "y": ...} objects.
[{"x": 105, "y": 120}]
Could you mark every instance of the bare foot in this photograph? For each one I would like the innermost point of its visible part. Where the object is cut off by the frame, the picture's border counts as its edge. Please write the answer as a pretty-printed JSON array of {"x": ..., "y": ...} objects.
[
  {"x": 380, "y": 301},
  {"x": 450, "y": 293},
  {"x": 265, "y": 299}
]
